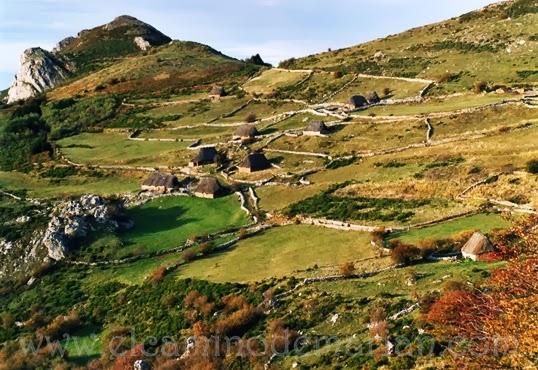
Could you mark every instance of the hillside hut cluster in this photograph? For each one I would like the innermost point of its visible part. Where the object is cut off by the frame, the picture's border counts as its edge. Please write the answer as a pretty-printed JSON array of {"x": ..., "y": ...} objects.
[
  {"x": 246, "y": 132},
  {"x": 161, "y": 183},
  {"x": 207, "y": 187},
  {"x": 254, "y": 162},
  {"x": 206, "y": 155},
  {"x": 217, "y": 92},
  {"x": 316, "y": 128},
  {"x": 360, "y": 101}
]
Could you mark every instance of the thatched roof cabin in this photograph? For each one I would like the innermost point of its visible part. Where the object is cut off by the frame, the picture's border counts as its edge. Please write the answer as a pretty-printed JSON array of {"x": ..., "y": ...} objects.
[
  {"x": 372, "y": 97},
  {"x": 316, "y": 128},
  {"x": 254, "y": 162},
  {"x": 358, "y": 101},
  {"x": 477, "y": 245},
  {"x": 160, "y": 182},
  {"x": 217, "y": 91},
  {"x": 246, "y": 132},
  {"x": 208, "y": 187},
  {"x": 206, "y": 155}
]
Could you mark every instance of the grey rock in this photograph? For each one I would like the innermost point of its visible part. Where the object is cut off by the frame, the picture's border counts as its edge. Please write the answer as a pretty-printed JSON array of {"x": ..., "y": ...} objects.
[
  {"x": 39, "y": 71},
  {"x": 63, "y": 44},
  {"x": 75, "y": 219},
  {"x": 141, "y": 43}
]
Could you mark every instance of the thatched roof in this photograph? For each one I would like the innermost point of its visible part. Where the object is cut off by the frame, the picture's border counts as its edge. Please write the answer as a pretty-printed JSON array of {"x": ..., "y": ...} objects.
[
  {"x": 206, "y": 155},
  {"x": 217, "y": 91},
  {"x": 372, "y": 97},
  {"x": 246, "y": 131},
  {"x": 255, "y": 162},
  {"x": 158, "y": 179},
  {"x": 478, "y": 244},
  {"x": 317, "y": 126},
  {"x": 358, "y": 101},
  {"x": 208, "y": 185}
]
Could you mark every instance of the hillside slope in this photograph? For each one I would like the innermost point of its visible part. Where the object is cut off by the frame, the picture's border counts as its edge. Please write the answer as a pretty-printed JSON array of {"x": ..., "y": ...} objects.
[
  {"x": 497, "y": 44},
  {"x": 123, "y": 36},
  {"x": 167, "y": 69}
]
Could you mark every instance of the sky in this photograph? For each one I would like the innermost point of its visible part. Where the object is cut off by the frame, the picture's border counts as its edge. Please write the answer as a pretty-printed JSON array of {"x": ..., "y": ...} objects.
[{"x": 277, "y": 29}]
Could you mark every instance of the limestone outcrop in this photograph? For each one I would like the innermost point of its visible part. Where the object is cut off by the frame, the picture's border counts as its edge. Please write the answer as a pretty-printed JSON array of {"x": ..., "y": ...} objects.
[
  {"x": 40, "y": 70},
  {"x": 74, "y": 219}
]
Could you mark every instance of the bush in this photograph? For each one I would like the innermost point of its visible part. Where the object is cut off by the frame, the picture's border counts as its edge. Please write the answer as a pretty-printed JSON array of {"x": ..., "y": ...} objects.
[
  {"x": 347, "y": 269},
  {"x": 532, "y": 166},
  {"x": 280, "y": 339},
  {"x": 189, "y": 255},
  {"x": 238, "y": 322},
  {"x": 158, "y": 274},
  {"x": 480, "y": 86},
  {"x": 250, "y": 118},
  {"x": 404, "y": 253},
  {"x": 20, "y": 139}
]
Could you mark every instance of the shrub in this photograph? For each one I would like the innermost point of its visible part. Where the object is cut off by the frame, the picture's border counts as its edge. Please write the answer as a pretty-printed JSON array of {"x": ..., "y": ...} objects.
[
  {"x": 279, "y": 339},
  {"x": 532, "y": 166},
  {"x": 205, "y": 248},
  {"x": 61, "y": 325},
  {"x": 347, "y": 269},
  {"x": 447, "y": 77},
  {"x": 242, "y": 233},
  {"x": 250, "y": 118},
  {"x": 158, "y": 274},
  {"x": 378, "y": 236},
  {"x": 189, "y": 255},
  {"x": 480, "y": 86},
  {"x": 404, "y": 253},
  {"x": 238, "y": 321},
  {"x": 20, "y": 139}
]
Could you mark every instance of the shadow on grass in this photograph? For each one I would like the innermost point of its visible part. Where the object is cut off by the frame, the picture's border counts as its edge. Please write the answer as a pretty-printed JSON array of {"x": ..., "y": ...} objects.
[{"x": 155, "y": 220}]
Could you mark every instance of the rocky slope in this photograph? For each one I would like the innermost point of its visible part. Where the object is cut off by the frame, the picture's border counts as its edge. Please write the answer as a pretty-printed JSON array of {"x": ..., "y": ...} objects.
[
  {"x": 74, "y": 219},
  {"x": 69, "y": 222},
  {"x": 40, "y": 70}
]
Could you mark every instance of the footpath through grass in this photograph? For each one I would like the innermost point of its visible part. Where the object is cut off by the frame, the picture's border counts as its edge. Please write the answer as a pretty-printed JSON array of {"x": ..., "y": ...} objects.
[{"x": 279, "y": 252}]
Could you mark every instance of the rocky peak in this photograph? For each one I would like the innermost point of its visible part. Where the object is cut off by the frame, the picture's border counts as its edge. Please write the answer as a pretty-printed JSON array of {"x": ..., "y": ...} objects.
[
  {"x": 39, "y": 70},
  {"x": 125, "y": 21}
]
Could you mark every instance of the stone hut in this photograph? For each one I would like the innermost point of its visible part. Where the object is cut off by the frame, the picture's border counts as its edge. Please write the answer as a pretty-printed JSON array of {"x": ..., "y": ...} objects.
[
  {"x": 316, "y": 128},
  {"x": 208, "y": 187},
  {"x": 206, "y": 155},
  {"x": 160, "y": 182},
  {"x": 476, "y": 246},
  {"x": 254, "y": 162},
  {"x": 246, "y": 132},
  {"x": 358, "y": 101},
  {"x": 372, "y": 97},
  {"x": 217, "y": 91}
]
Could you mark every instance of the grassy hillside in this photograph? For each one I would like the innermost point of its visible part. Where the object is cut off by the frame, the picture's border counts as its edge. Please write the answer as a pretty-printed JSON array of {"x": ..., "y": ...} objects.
[
  {"x": 175, "y": 68},
  {"x": 93, "y": 48},
  {"x": 495, "y": 44}
]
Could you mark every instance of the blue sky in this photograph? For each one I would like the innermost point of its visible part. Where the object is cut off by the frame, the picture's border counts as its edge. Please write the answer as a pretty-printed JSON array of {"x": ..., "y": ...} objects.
[{"x": 277, "y": 29}]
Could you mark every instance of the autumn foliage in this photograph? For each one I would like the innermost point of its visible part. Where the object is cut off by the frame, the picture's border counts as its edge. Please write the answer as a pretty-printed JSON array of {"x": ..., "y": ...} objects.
[{"x": 497, "y": 323}]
